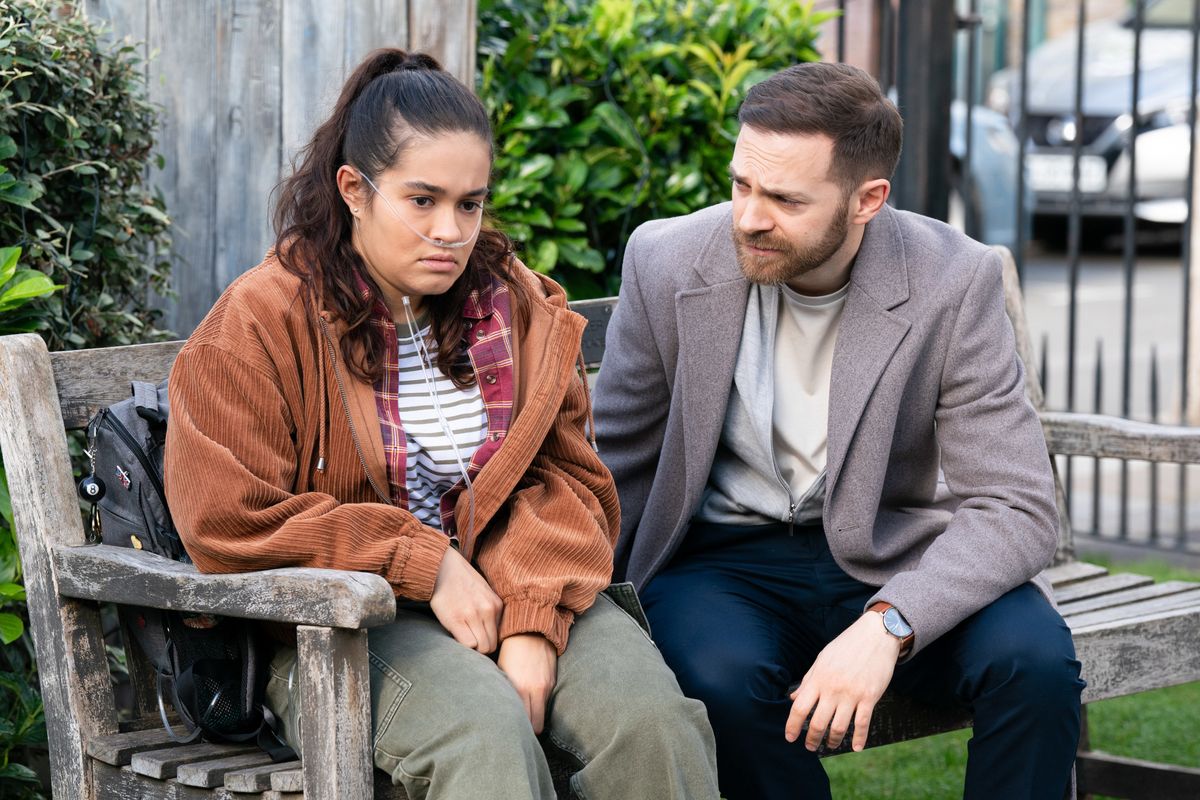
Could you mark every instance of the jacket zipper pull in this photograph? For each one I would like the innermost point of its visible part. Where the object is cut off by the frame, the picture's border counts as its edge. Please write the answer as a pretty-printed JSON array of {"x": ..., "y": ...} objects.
[{"x": 791, "y": 519}]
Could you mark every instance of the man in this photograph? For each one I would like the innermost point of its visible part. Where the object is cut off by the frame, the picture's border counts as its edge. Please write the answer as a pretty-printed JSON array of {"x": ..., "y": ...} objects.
[{"x": 785, "y": 382}]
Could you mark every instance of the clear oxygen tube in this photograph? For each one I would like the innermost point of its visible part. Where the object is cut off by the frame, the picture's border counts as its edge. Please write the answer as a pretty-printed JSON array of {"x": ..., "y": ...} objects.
[
  {"x": 407, "y": 224},
  {"x": 430, "y": 377}
]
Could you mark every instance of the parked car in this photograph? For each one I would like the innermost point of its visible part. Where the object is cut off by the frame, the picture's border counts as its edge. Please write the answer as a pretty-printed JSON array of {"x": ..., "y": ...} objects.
[
  {"x": 1104, "y": 131},
  {"x": 984, "y": 206}
]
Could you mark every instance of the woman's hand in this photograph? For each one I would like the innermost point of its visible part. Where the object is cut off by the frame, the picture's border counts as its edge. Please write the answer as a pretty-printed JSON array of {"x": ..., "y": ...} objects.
[
  {"x": 465, "y": 604},
  {"x": 531, "y": 664}
]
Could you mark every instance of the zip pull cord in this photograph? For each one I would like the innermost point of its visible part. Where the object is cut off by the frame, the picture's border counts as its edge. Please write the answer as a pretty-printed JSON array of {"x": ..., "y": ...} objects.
[{"x": 430, "y": 378}]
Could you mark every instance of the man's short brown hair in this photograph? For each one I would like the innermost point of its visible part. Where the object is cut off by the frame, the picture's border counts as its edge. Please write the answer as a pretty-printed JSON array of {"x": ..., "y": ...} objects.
[{"x": 834, "y": 100}]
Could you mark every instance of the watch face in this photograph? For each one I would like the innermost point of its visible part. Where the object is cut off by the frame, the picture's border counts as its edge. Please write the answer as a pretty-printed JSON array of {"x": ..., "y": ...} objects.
[{"x": 896, "y": 624}]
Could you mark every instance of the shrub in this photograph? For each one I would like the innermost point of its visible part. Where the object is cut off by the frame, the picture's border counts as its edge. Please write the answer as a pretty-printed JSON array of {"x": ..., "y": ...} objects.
[
  {"x": 76, "y": 133},
  {"x": 612, "y": 112}
]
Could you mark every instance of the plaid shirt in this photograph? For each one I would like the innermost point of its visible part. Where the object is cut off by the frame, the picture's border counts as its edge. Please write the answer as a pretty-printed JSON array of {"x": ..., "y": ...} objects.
[{"x": 489, "y": 338}]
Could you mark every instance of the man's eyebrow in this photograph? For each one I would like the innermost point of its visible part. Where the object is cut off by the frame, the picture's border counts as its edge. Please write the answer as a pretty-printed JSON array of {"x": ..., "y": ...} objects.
[
  {"x": 774, "y": 194},
  {"x": 438, "y": 191}
]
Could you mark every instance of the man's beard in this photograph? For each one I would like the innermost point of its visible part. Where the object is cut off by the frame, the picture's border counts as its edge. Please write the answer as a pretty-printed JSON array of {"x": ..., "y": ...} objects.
[{"x": 789, "y": 261}]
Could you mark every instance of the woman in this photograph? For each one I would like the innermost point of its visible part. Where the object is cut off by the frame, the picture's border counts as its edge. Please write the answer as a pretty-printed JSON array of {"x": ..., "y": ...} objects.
[{"x": 391, "y": 391}]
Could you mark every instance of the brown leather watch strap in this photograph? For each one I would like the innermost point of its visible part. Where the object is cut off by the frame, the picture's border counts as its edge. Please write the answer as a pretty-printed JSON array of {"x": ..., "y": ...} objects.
[{"x": 907, "y": 642}]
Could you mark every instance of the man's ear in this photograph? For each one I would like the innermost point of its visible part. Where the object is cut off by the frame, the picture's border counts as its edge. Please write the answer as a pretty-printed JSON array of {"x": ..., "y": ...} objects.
[
  {"x": 869, "y": 199},
  {"x": 352, "y": 187}
]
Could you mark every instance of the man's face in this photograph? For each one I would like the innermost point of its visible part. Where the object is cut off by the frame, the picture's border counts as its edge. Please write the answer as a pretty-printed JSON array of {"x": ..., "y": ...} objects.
[{"x": 789, "y": 218}]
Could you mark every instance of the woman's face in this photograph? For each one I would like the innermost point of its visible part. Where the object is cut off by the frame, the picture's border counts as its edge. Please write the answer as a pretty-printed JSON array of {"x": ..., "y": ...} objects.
[{"x": 434, "y": 195}]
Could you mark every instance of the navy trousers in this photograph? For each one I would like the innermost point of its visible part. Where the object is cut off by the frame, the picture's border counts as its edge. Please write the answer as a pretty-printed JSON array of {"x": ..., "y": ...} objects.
[{"x": 740, "y": 614}]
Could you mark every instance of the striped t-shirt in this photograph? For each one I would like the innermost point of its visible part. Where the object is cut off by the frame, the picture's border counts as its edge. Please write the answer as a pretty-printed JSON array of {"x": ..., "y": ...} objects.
[{"x": 406, "y": 408}]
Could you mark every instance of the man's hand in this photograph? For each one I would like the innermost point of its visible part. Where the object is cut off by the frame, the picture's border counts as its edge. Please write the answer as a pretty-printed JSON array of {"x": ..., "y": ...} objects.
[
  {"x": 844, "y": 684},
  {"x": 531, "y": 664},
  {"x": 465, "y": 604}
]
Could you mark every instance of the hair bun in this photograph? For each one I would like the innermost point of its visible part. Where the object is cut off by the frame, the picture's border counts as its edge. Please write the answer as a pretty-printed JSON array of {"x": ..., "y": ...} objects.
[{"x": 416, "y": 62}]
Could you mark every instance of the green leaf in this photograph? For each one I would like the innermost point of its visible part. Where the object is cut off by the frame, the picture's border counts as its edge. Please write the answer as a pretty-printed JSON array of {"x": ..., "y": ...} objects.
[
  {"x": 546, "y": 256},
  {"x": 11, "y": 627},
  {"x": 12, "y": 591},
  {"x": 18, "y": 772},
  {"x": 27, "y": 285},
  {"x": 536, "y": 167},
  {"x": 8, "y": 147},
  {"x": 8, "y": 263}
]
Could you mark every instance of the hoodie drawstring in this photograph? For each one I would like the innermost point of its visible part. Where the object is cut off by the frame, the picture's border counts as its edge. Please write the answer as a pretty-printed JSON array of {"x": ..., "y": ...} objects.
[
  {"x": 587, "y": 398},
  {"x": 324, "y": 398}
]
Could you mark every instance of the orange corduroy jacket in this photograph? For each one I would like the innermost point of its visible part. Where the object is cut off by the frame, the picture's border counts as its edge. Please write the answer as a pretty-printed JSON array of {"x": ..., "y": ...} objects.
[{"x": 262, "y": 376}]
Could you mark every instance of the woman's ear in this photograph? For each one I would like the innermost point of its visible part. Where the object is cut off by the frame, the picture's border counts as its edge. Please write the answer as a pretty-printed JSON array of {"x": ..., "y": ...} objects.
[{"x": 352, "y": 188}]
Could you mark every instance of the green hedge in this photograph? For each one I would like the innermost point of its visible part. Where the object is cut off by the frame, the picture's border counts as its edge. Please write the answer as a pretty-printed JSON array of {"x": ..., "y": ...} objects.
[
  {"x": 609, "y": 113},
  {"x": 76, "y": 134}
]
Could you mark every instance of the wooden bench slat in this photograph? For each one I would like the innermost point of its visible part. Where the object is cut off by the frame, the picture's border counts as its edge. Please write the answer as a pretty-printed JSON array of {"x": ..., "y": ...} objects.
[
  {"x": 288, "y": 780},
  {"x": 164, "y": 763},
  {"x": 274, "y": 795},
  {"x": 117, "y": 749},
  {"x": 1131, "y": 777},
  {"x": 88, "y": 380},
  {"x": 1140, "y": 609},
  {"x": 1104, "y": 584},
  {"x": 1125, "y": 656},
  {"x": 1072, "y": 572},
  {"x": 257, "y": 779},
  {"x": 1147, "y": 592},
  {"x": 210, "y": 774},
  {"x": 120, "y": 783}
]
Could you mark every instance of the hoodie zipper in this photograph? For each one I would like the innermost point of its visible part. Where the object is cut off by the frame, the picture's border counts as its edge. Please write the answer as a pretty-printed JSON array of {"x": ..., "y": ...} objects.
[{"x": 337, "y": 377}]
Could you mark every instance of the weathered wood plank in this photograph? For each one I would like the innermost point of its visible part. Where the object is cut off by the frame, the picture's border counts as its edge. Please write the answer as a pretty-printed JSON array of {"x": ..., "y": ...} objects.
[
  {"x": 248, "y": 133},
  {"x": 87, "y": 380},
  {"x": 273, "y": 795},
  {"x": 334, "y": 695},
  {"x": 72, "y": 662},
  {"x": 1072, "y": 572},
  {"x": 126, "y": 21},
  {"x": 118, "y": 749},
  {"x": 1093, "y": 587},
  {"x": 1073, "y": 434},
  {"x": 210, "y": 774},
  {"x": 446, "y": 30},
  {"x": 1133, "y": 655},
  {"x": 298, "y": 595},
  {"x": 289, "y": 780},
  {"x": 372, "y": 24},
  {"x": 184, "y": 82},
  {"x": 257, "y": 778},
  {"x": 311, "y": 53},
  {"x": 1101, "y": 773},
  {"x": 1128, "y": 596},
  {"x": 122, "y": 783},
  {"x": 162, "y": 764},
  {"x": 1140, "y": 609}
]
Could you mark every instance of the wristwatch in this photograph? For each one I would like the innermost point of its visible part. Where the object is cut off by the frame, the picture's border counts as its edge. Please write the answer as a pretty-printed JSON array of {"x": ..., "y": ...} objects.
[{"x": 895, "y": 624}]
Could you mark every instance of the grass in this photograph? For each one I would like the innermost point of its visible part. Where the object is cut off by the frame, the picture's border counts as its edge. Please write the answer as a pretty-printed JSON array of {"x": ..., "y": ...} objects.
[{"x": 1158, "y": 726}]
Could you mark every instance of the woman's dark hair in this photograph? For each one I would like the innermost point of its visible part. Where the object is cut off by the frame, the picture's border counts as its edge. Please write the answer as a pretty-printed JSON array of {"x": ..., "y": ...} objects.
[
  {"x": 836, "y": 100},
  {"x": 391, "y": 98}
]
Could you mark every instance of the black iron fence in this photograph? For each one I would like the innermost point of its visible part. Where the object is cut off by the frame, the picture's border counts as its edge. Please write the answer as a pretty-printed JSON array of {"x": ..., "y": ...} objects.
[{"x": 1100, "y": 119}]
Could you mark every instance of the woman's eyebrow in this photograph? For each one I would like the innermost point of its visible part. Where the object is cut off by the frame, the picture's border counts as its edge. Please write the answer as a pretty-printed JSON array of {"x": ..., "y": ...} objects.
[{"x": 429, "y": 188}]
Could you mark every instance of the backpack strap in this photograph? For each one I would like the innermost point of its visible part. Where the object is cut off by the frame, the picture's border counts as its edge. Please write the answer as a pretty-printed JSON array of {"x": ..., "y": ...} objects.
[{"x": 145, "y": 400}]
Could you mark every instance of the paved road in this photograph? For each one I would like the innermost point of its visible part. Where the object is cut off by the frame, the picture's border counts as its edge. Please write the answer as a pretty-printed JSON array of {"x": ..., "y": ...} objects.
[{"x": 1157, "y": 324}]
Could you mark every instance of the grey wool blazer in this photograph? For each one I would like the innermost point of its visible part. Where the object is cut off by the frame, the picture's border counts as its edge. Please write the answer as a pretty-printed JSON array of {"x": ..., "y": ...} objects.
[{"x": 925, "y": 375}]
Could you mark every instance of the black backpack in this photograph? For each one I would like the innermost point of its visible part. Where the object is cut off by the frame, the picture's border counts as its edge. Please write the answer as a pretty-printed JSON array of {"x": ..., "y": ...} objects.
[{"x": 207, "y": 666}]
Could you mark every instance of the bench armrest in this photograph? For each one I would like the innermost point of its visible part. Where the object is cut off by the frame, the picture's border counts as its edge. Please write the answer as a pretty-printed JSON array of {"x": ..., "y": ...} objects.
[
  {"x": 302, "y": 596},
  {"x": 1073, "y": 434}
]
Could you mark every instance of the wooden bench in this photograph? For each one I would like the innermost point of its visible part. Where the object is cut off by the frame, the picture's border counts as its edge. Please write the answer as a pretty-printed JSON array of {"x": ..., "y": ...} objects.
[{"x": 1130, "y": 633}]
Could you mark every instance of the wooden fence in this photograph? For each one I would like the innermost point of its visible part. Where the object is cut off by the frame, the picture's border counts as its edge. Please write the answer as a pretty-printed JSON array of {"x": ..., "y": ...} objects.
[{"x": 242, "y": 84}]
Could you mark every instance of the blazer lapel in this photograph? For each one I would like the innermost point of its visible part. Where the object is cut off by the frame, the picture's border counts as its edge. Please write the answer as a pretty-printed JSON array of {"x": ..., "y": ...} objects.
[
  {"x": 869, "y": 332},
  {"x": 710, "y": 319}
]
